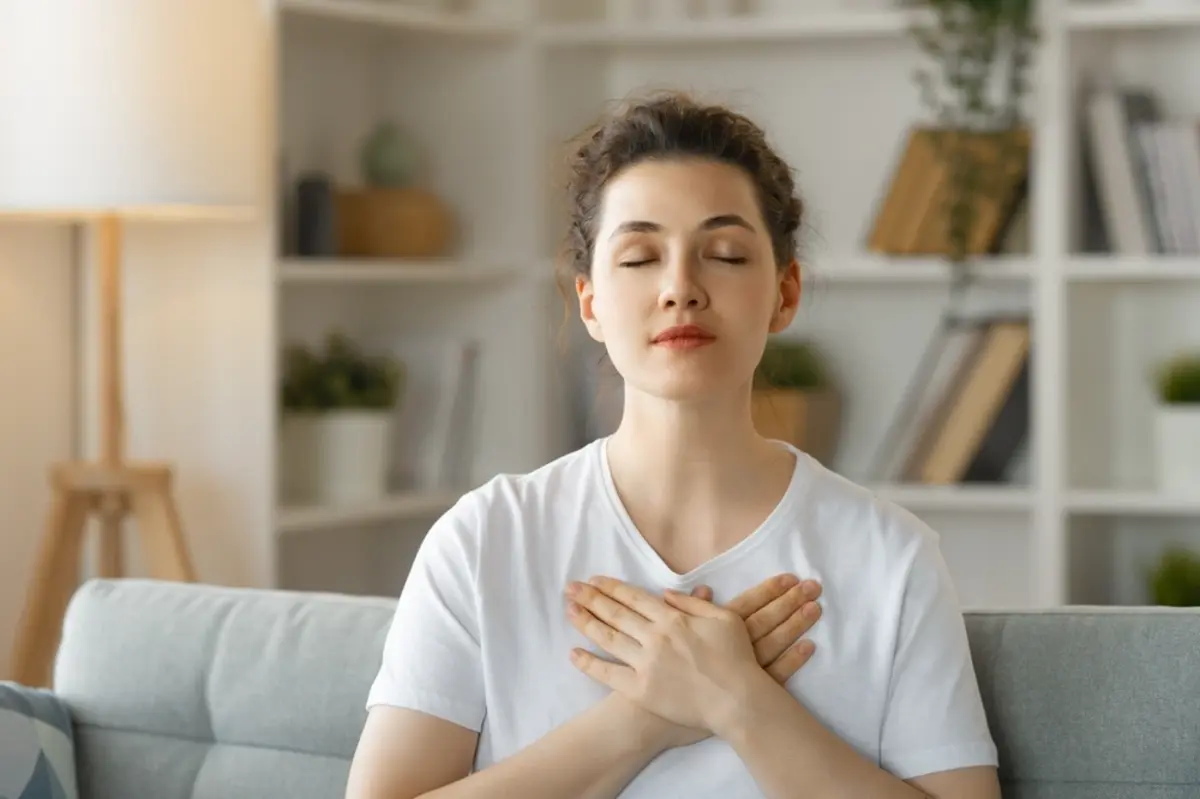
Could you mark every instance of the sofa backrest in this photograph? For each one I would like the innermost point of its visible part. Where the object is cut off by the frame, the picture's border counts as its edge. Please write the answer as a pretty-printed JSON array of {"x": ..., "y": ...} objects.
[
  {"x": 1092, "y": 702},
  {"x": 203, "y": 692},
  {"x": 199, "y": 692}
]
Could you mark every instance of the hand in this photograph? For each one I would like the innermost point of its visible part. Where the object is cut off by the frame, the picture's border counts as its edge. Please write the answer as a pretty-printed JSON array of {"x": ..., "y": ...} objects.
[
  {"x": 777, "y": 612},
  {"x": 773, "y": 616}
]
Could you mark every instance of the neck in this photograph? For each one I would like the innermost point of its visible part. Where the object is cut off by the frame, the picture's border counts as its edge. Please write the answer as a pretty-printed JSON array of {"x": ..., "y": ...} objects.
[{"x": 683, "y": 469}]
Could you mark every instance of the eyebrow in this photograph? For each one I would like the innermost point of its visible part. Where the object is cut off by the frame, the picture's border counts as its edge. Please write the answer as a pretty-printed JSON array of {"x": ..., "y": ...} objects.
[{"x": 712, "y": 223}]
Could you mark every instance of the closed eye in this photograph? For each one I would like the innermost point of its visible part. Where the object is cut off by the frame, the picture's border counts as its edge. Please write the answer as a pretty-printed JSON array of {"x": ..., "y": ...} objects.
[
  {"x": 732, "y": 260},
  {"x": 641, "y": 262}
]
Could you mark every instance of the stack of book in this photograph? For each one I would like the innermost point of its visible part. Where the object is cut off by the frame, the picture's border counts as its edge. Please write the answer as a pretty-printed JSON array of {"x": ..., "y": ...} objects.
[
  {"x": 912, "y": 217},
  {"x": 1143, "y": 172},
  {"x": 970, "y": 420}
]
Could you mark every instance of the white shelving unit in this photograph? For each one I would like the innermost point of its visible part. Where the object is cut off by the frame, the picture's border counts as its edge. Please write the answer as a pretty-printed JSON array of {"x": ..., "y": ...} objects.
[
  {"x": 397, "y": 507},
  {"x": 494, "y": 94}
]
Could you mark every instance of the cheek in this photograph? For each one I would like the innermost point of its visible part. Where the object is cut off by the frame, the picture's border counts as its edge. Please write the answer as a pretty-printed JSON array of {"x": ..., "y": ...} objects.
[{"x": 617, "y": 303}]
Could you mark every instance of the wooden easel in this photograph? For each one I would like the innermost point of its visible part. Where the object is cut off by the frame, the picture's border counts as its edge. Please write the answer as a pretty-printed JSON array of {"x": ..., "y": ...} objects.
[{"x": 111, "y": 489}]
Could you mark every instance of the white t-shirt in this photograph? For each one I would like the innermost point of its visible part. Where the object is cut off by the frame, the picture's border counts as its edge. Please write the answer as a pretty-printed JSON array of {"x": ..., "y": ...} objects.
[{"x": 480, "y": 635}]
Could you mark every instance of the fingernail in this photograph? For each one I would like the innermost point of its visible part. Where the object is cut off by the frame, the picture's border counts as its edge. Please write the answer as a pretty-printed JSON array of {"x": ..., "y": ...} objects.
[
  {"x": 572, "y": 589},
  {"x": 788, "y": 580},
  {"x": 811, "y": 588}
]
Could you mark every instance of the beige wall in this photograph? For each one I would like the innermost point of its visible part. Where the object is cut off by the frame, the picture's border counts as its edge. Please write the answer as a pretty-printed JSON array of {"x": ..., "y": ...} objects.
[{"x": 36, "y": 397}]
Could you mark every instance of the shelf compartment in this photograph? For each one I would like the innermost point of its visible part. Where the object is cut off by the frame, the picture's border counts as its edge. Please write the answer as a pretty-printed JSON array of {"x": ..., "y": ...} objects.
[
  {"x": 362, "y": 270},
  {"x": 1131, "y": 268},
  {"x": 398, "y": 507},
  {"x": 870, "y": 268},
  {"x": 400, "y": 16},
  {"x": 959, "y": 498},
  {"x": 734, "y": 30},
  {"x": 1126, "y": 502},
  {"x": 1117, "y": 16}
]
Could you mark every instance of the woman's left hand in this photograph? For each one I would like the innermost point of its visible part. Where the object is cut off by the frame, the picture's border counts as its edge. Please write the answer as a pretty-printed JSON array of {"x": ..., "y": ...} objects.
[{"x": 683, "y": 658}]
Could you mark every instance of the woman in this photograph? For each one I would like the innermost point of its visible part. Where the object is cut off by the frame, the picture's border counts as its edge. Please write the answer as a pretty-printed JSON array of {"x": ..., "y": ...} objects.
[{"x": 600, "y": 626}]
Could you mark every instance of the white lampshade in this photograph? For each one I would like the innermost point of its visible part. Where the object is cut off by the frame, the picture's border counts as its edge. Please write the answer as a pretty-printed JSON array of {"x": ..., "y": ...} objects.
[{"x": 136, "y": 107}]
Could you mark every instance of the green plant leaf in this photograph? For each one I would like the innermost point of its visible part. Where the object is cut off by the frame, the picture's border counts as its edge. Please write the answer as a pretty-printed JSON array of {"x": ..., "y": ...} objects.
[
  {"x": 339, "y": 376},
  {"x": 792, "y": 364},
  {"x": 1178, "y": 380}
]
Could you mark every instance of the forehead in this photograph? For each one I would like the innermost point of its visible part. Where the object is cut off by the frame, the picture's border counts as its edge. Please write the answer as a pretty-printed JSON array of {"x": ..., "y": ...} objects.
[{"x": 678, "y": 192}]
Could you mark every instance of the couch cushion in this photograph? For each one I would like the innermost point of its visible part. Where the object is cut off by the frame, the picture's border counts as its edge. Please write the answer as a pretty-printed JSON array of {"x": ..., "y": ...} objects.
[
  {"x": 37, "y": 748},
  {"x": 1092, "y": 702},
  {"x": 201, "y": 691}
]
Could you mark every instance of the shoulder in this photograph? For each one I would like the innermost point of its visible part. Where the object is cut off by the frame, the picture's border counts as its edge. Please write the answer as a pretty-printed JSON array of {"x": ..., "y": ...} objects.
[
  {"x": 854, "y": 515},
  {"x": 509, "y": 503}
]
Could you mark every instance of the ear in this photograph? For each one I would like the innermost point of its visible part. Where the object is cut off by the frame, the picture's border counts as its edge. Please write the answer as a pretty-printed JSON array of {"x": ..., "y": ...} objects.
[
  {"x": 587, "y": 297},
  {"x": 788, "y": 298}
]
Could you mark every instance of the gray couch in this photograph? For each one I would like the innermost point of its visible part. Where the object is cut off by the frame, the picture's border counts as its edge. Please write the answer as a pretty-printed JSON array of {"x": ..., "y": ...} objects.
[{"x": 199, "y": 692}]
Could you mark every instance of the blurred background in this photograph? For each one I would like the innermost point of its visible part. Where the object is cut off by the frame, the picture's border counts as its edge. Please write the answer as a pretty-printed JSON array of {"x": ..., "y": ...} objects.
[{"x": 1000, "y": 329}]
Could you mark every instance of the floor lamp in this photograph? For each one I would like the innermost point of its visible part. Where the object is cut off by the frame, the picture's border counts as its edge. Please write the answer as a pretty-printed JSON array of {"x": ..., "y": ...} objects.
[{"x": 120, "y": 111}]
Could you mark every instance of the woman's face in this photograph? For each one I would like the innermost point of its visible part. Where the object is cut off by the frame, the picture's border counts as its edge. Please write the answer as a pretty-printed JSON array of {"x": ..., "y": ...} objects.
[{"x": 684, "y": 287}]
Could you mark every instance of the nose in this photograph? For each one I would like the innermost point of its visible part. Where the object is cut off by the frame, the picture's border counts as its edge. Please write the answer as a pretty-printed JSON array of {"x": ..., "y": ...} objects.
[{"x": 681, "y": 287}]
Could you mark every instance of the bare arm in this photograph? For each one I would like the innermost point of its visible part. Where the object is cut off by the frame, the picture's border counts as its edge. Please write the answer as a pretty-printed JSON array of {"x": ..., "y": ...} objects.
[
  {"x": 593, "y": 756},
  {"x": 783, "y": 746}
]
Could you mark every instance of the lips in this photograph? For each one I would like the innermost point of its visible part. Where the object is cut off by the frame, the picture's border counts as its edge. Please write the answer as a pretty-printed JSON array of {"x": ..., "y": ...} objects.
[{"x": 684, "y": 335}]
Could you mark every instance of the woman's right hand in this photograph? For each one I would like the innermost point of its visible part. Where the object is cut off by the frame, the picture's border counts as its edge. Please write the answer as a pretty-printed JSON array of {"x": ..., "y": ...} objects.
[{"x": 777, "y": 613}]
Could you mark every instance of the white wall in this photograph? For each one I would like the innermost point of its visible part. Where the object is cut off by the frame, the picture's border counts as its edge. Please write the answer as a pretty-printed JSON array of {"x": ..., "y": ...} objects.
[{"x": 36, "y": 398}]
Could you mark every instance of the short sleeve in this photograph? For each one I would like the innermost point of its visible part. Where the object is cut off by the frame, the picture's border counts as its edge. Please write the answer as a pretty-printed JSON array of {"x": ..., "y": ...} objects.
[
  {"x": 934, "y": 718},
  {"x": 431, "y": 657}
]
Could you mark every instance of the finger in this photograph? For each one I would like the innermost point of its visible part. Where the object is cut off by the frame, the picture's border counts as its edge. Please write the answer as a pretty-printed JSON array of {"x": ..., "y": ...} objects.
[
  {"x": 703, "y": 592},
  {"x": 791, "y": 661},
  {"x": 632, "y": 597},
  {"x": 608, "y": 610},
  {"x": 780, "y": 609},
  {"x": 614, "y": 675},
  {"x": 754, "y": 599},
  {"x": 614, "y": 642},
  {"x": 777, "y": 641},
  {"x": 693, "y": 605}
]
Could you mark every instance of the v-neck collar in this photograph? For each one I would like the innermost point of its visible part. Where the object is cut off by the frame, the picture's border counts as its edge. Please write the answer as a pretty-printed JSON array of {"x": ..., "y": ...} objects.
[{"x": 774, "y": 524}]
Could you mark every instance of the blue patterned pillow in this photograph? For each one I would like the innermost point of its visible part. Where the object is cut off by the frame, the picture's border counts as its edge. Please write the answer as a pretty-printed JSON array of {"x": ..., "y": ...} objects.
[{"x": 37, "y": 745}]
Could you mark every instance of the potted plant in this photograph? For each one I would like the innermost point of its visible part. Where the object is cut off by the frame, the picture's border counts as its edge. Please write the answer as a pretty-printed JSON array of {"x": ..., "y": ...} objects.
[
  {"x": 1175, "y": 579},
  {"x": 1177, "y": 423},
  {"x": 975, "y": 80},
  {"x": 338, "y": 408},
  {"x": 794, "y": 398}
]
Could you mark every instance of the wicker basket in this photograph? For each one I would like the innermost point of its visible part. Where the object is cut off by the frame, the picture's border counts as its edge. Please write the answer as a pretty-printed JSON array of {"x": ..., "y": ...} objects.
[
  {"x": 393, "y": 223},
  {"x": 810, "y": 420}
]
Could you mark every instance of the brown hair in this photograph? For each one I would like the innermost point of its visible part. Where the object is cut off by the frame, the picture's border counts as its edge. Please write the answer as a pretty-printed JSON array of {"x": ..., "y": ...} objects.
[{"x": 674, "y": 125}]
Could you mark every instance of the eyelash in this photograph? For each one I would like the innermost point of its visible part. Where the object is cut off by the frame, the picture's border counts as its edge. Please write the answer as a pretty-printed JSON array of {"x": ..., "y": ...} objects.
[{"x": 634, "y": 264}]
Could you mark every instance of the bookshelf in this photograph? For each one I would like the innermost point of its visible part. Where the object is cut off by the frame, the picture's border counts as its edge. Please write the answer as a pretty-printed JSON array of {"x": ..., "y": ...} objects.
[{"x": 1080, "y": 518}]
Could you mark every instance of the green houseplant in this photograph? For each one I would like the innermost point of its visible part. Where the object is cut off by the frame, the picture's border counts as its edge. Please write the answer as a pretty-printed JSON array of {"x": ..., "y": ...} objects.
[
  {"x": 975, "y": 80},
  {"x": 338, "y": 404},
  {"x": 1175, "y": 579},
  {"x": 795, "y": 399},
  {"x": 1177, "y": 423}
]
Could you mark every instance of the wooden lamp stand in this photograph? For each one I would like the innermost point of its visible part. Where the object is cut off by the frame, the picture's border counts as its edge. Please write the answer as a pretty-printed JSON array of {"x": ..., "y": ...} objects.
[{"x": 111, "y": 489}]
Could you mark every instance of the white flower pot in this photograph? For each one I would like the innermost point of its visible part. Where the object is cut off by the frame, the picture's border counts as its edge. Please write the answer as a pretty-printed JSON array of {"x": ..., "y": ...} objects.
[
  {"x": 1178, "y": 448},
  {"x": 336, "y": 457}
]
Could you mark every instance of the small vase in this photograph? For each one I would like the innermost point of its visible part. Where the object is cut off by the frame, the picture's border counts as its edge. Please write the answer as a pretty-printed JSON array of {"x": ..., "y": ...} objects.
[
  {"x": 389, "y": 157},
  {"x": 353, "y": 449}
]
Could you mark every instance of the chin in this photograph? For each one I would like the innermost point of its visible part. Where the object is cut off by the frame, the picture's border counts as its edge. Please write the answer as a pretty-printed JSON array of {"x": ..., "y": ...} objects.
[{"x": 684, "y": 387}]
